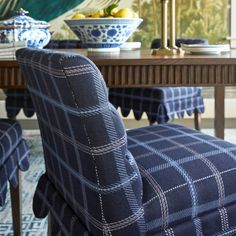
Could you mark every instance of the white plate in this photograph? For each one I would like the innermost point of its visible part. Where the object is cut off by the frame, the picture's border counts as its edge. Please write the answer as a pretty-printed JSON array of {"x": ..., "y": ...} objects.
[
  {"x": 130, "y": 46},
  {"x": 103, "y": 49},
  {"x": 203, "y": 52},
  {"x": 205, "y": 49},
  {"x": 19, "y": 44}
]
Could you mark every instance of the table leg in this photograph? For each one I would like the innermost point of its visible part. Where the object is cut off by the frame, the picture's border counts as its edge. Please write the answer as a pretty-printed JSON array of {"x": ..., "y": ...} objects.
[
  {"x": 49, "y": 233},
  {"x": 16, "y": 206},
  {"x": 219, "y": 111}
]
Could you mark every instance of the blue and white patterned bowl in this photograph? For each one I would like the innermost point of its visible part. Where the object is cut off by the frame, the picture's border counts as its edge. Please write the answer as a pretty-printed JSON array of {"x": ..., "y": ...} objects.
[{"x": 103, "y": 34}]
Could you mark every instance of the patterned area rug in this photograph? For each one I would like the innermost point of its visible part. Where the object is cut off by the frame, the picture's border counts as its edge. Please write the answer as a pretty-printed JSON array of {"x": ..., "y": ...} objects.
[{"x": 31, "y": 225}]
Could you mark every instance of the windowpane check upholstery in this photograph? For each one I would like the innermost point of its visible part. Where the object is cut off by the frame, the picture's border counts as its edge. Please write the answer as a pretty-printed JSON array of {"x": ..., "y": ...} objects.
[
  {"x": 102, "y": 180},
  {"x": 186, "y": 176},
  {"x": 17, "y": 99},
  {"x": 13, "y": 155},
  {"x": 159, "y": 104}
]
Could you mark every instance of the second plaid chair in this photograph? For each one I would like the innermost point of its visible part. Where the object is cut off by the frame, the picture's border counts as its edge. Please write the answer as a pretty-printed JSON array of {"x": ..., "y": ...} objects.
[{"x": 161, "y": 104}]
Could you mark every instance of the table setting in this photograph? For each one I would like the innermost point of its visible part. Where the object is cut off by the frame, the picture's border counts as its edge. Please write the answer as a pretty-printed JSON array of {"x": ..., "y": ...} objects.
[{"x": 22, "y": 31}]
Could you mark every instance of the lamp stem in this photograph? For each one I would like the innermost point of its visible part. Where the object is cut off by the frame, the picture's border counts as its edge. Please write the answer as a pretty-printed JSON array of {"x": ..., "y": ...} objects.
[
  {"x": 172, "y": 25},
  {"x": 164, "y": 12},
  {"x": 164, "y": 50}
]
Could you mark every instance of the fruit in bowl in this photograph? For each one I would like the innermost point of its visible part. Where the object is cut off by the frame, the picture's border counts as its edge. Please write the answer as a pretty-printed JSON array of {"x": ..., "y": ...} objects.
[
  {"x": 104, "y": 30},
  {"x": 111, "y": 11}
]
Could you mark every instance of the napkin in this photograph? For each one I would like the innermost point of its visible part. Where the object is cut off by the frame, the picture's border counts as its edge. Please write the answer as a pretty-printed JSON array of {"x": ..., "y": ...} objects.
[{"x": 7, "y": 50}]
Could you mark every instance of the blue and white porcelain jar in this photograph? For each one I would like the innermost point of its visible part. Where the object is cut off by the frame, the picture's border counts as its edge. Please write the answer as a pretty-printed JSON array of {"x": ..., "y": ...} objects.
[{"x": 24, "y": 28}]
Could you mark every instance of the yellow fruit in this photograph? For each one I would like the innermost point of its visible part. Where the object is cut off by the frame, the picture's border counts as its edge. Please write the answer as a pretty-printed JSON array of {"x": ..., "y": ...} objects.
[
  {"x": 114, "y": 11},
  {"x": 78, "y": 16},
  {"x": 97, "y": 14},
  {"x": 124, "y": 13}
]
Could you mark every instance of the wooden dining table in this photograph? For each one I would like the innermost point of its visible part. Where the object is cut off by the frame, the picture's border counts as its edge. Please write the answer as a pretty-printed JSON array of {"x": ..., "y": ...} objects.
[{"x": 138, "y": 68}]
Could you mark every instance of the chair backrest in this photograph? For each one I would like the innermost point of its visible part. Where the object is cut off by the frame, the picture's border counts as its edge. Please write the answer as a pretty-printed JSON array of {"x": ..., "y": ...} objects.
[
  {"x": 156, "y": 43},
  {"x": 84, "y": 140},
  {"x": 66, "y": 43}
]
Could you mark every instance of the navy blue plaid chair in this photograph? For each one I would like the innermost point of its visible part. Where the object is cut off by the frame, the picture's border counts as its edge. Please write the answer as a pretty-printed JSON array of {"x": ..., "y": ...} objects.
[
  {"x": 161, "y": 104},
  {"x": 101, "y": 180},
  {"x": 19, "y": 99},
  {"x": 13, "y": 157}
]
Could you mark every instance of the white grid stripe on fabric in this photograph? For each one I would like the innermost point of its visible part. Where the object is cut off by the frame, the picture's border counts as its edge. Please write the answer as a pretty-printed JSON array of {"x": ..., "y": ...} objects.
[{"x": 208, "y": 163}]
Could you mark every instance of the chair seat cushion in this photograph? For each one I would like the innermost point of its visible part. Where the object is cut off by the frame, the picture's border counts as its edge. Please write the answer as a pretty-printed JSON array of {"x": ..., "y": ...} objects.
[
  {"x": 186, "y": 175},
  {"x": 10, "y": 136},
  {"x": 160, "y": 104}
]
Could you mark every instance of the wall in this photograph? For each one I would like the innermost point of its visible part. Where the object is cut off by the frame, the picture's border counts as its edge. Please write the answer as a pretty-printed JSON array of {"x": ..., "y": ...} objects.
[
  {"x": 233, "y": 28},
  {"x": 195, "y": 18}
]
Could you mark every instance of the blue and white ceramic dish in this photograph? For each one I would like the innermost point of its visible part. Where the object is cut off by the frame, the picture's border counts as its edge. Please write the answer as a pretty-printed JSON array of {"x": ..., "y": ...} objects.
[
  {"x": 103, "y": 34},
  {"x": 24, "y": 28}
]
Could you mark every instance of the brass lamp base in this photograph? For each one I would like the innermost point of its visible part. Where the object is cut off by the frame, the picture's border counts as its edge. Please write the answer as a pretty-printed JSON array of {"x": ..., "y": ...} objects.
[
  {"x": 174, "y": 51},
  {"x": 164, "y": 52},
  {"x": 180, "y": 51}
]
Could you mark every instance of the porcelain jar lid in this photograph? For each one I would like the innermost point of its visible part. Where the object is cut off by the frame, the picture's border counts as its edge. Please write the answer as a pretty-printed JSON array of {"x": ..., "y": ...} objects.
[{"x": 20, "y": 20}]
